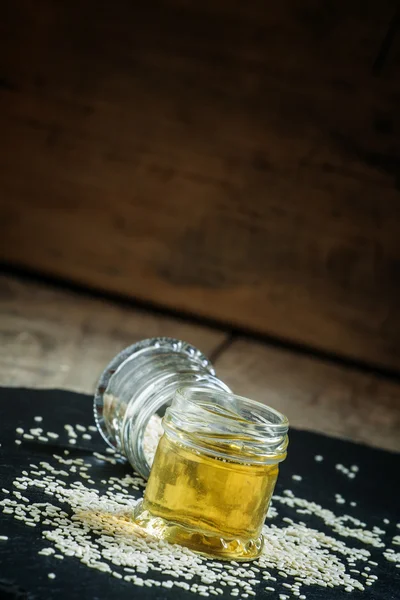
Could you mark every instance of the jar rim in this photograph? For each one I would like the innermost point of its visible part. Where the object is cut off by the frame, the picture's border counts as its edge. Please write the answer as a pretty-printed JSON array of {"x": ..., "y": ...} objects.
[
  {"x": 281, "y": 424},
  {"x": 130, "y": 353},
  {"x": 228, "y": 424}
]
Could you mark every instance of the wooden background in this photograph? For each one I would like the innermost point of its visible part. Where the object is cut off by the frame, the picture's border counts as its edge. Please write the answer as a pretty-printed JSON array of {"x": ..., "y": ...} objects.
[
  {"x": 55, "y": 338},
  {"x": 235, "y": 160}
]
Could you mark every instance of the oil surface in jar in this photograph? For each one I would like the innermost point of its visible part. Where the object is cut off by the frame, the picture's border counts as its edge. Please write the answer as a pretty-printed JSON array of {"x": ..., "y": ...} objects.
[{"x": 212, "y": 506}]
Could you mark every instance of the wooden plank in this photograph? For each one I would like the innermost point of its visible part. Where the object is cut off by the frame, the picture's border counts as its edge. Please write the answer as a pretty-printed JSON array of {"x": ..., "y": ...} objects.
[
  {"x": 55, "y": 338},
  {"x": 316, "y": 395},
  {"x": 227, "y": 160},
  {"x": 51, "y": 338}
]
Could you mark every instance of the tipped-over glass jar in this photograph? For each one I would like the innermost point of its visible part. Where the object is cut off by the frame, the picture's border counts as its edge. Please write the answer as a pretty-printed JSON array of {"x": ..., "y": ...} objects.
[
  {"x": 214, "y": 473},
  {"x": 139, "y": 383}
]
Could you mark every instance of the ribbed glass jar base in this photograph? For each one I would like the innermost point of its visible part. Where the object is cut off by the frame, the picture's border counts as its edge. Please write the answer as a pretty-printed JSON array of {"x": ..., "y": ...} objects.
[{"x": 209, "y": 544}]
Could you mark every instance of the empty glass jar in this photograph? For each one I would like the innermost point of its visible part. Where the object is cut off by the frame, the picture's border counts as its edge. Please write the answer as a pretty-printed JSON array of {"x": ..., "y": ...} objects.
[{"x": 140, "y": 382}]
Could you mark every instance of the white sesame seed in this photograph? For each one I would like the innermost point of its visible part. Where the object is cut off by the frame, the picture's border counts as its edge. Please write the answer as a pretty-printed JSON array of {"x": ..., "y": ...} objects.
[
  {"x": 36, "y": 431},
  {"x": 51, "y": 576},
  {"x": 96, "y": 528}
]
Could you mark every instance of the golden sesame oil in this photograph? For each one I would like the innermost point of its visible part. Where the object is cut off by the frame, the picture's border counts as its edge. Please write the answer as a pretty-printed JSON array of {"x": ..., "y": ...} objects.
[{"x": 215, "y": 506}]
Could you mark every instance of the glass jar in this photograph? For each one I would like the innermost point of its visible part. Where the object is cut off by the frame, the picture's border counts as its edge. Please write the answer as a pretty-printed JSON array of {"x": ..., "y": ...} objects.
[
  {"x": 139, "y": 383},
  {"x": 214, "y": 473}
]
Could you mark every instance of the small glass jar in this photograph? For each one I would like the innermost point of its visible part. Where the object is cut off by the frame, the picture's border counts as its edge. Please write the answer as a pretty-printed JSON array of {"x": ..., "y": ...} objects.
[
  {"x": 140, "y": 382},
  {"x": 214, "y": 473}
]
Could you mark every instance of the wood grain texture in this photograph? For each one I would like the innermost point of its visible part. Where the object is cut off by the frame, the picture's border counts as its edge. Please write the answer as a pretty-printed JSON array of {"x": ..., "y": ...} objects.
[
  {"x": 51, "y": 338},
  {"x": 316, "y": 395},
  {"x": 228, "y": 160}
]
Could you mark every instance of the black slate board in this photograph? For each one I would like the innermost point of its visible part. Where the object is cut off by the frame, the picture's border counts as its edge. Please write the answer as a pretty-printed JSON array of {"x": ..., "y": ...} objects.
[{"x": 23, "y": 574}]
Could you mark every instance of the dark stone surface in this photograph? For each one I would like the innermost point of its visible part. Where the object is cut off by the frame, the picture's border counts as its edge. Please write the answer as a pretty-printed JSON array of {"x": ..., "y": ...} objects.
[{"x": 23, "y": 574}]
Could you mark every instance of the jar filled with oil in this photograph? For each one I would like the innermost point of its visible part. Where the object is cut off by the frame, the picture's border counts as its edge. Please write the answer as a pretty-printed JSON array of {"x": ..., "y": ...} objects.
[{"x": 214, "y": 473}]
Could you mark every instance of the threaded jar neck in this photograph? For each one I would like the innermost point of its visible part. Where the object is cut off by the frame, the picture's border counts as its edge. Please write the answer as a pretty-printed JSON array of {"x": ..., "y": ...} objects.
[{"x": 225, "y": 426}]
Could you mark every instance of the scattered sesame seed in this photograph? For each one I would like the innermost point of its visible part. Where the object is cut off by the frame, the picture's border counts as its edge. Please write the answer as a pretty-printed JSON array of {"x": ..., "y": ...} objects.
[
  {"x": 301, "y": 555},
  {"x": 51, "y": 576},
  {"x": 18, "y": 442},
  {"x": 87, "y": 436},
  {"x": 3, "y": 538},
  {"x": 38, "y": 419}
]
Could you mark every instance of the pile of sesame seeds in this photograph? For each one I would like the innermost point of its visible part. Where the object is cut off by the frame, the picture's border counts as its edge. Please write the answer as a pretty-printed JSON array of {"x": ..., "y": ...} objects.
[
  {"x": 152, "y": 435},
  {"x": 78, "y": 522}
]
